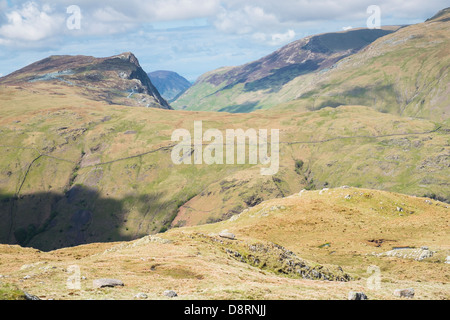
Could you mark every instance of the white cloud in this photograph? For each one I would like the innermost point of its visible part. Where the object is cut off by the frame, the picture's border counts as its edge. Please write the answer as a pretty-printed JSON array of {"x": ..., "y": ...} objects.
[
  {"x": 282, "y": 38},
  {"x": 245, "y": 20},
  {"x": 29, "y": 23},
  {"x": 166, "y": 10},
  {"x": 163, "y": 34}
]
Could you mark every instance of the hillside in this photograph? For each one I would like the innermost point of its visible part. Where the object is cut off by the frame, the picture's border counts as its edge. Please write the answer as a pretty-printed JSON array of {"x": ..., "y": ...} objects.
[
  {"x": 403, "y": 73},
  {"x": 244, "y": 88},
  {"x": 309, "y": 245},
  {"x": 169, "y": 84},
  {"x": 114, "y": 80},
  {"x": 78, "y": 171}
]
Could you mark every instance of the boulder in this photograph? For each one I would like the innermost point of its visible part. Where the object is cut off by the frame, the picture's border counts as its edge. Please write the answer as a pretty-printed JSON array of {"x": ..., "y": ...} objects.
[
  {"x": 102, "y": 283},
  {"x": 404, "y": 293},
  {"x": 170, "y": 294},
  {"x": 352, "y": 295},
  {"x": 30, "y": 296},
  {"x": 227, "y": 235}
]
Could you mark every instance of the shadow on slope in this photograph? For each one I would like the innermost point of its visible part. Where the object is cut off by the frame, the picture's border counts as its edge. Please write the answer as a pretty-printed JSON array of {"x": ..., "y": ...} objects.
[{"x": 51, "y": 220}]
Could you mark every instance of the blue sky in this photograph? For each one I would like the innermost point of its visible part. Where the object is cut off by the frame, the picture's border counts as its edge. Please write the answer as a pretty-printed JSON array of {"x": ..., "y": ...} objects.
[{"x": 190, "y": 37}]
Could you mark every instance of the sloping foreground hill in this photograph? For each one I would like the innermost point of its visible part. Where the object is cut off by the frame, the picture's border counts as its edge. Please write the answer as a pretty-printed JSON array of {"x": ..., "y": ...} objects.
[
  {"x": 76, "y": 171},
  {"x": 115, "y": 80},
  {"x": 404, "y": 73},
  {"x": 282, "y": 249},
  {"x": 248, "y": 87}
]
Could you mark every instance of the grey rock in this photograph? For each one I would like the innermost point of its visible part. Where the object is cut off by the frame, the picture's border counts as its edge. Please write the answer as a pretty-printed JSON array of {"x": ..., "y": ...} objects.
[
  {"x": 352, "y": 295},
  {"x": 170, "y": 294},
  {"x": 348, "y": 197},
  {"x": 447, "y": 260},
  {"x": 227, "y": 235},
  {"x": 404, "y": 293},
  {"x": 30, "y": 296},
  {"x": 141, "y": 296},
  {"x": 102, "y": 283}
]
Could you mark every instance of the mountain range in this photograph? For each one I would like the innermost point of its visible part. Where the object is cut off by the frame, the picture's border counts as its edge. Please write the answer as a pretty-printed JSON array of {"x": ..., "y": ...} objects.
[{"x": 87, "y": 176}]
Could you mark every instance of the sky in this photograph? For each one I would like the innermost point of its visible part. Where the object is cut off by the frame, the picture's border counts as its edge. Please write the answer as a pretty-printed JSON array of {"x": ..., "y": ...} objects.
[{"x": 190, "y": 37}]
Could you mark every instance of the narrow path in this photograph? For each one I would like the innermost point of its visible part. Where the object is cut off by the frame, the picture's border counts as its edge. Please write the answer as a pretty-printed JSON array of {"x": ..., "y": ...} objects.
[{"x": 165, "y": 148}]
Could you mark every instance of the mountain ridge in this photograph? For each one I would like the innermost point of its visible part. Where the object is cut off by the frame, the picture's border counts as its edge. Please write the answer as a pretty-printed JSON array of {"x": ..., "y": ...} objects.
[
  {"x": 307, "y": 55},
  {"x": 404, "y": 73},
  {"x": 117, "y": 79}
]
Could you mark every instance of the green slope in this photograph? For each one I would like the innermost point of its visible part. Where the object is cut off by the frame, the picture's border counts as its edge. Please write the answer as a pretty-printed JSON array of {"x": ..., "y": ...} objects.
[
  {"x": 404, "y": 73},
  {"x": 75, "y": 171}
]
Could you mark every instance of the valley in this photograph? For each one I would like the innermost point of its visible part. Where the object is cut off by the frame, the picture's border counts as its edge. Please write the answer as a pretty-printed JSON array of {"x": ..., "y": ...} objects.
[{"x": 88, "y": 181}]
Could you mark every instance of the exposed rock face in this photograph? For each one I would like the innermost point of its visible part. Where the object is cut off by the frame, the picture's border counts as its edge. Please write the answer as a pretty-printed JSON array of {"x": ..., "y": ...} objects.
[{"x": 117, "y": 79}]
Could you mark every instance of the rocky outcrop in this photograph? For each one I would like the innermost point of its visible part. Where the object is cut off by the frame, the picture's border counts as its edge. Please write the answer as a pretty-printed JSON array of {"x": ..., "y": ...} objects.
[
  {"x": 417, "y": 254},
  {"x": 275, "y": 258}
]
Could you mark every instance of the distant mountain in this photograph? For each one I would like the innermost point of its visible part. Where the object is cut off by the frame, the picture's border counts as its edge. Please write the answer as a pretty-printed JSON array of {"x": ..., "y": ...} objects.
[
  {"x": 257, "y": 82},
  {"x": 116, "y": 80},
  {"x": 405, "y": 73},
  {"x": 169, "y": 84}
]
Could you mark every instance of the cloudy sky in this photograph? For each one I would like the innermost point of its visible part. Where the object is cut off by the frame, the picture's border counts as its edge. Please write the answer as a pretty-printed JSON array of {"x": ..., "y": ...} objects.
[{"x": 186, "y": 36}]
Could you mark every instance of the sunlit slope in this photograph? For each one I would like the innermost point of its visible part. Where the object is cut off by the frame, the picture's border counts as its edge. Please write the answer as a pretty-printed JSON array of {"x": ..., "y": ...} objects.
[
  {"x": 338, "y": 232},
  {"x": 403, "y": 73},
  {"x": 265, "y": 82},
  {"x": 75, "y": 171}
]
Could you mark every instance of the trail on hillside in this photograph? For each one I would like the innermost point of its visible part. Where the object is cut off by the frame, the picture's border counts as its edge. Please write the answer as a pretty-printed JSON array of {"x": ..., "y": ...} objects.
[{"x": 165, "y": 148}]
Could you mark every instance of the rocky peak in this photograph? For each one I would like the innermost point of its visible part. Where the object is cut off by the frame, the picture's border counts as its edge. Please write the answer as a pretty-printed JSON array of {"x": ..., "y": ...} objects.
[{"x": 128, "y": 56}]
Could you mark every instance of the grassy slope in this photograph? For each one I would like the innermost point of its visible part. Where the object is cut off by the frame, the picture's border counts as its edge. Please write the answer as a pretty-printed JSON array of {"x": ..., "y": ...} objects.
[
  {"x": 402, "y": 73},
  {"x": 66, "y": 178},
  {"x": 195, "y": 262}
]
